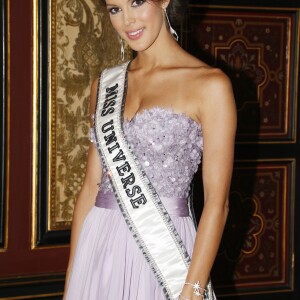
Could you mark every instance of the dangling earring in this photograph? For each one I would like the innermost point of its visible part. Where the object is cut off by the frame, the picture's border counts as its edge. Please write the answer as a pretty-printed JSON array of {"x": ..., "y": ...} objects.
[
  {"x": 173, "y": 32},
  {"x": 122, "y": 50}
]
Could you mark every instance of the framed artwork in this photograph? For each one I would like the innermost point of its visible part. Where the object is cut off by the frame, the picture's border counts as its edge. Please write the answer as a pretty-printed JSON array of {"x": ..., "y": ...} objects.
[{"x": 73, "y": 42}]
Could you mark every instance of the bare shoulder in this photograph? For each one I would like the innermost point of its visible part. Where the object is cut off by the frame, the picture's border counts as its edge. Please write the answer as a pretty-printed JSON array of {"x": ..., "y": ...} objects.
[
  {"x": 211, "y": 81},
  {"x": 205, "y": 79},
  {"x": 215, "y": 77},
  {"x": 213, "y": 94},
  {"x": 217, "y": 87},
  {"x": 209, "y": 89}
]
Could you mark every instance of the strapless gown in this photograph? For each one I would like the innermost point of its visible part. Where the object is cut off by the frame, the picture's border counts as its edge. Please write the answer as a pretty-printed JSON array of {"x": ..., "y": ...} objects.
[{"x": 108, "y": 263}]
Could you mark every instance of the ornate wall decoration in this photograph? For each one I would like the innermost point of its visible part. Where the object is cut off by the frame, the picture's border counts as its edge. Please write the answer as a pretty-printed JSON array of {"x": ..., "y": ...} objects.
[
  {"x": 258, "y": 50},
  {"x": 82, "y": 44},
  {"x": 256, "y": 250}
]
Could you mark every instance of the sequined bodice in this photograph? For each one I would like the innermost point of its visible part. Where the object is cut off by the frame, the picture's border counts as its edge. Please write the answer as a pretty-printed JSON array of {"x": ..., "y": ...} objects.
[{"x": 169, "y": 147}]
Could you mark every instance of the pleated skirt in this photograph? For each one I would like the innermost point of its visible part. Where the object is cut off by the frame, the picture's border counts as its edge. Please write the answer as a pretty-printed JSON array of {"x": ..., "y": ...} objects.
[{"x": 108, "y": 263}]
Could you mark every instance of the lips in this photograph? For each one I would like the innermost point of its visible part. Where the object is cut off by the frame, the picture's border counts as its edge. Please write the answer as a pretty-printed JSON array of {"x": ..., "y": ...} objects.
[{"x": 134, "y": 35}]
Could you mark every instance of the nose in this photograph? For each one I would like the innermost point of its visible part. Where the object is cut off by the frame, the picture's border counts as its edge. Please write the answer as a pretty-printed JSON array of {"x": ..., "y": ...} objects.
[{"x": 129, "y": 18}]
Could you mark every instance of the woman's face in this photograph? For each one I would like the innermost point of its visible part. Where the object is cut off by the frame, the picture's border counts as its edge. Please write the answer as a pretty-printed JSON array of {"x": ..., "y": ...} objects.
[{"x": 138, "y": 22}]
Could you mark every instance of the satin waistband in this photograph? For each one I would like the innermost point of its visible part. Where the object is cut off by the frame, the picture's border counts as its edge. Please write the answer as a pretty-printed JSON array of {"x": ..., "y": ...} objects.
[{"x": 174, "y": 206}]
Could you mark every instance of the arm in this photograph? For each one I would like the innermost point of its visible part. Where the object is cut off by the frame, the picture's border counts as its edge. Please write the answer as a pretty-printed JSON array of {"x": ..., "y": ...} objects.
[
  {"x": 218, "y": 119},
  {"x": 87, "y": 195}
]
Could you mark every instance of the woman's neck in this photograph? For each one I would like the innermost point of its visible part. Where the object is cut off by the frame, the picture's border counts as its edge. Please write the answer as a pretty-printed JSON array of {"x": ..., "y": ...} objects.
[{"x": 162, "y": 52}]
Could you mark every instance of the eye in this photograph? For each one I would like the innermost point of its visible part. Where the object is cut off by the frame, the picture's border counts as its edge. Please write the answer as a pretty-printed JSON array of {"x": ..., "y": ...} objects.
[
  {"x": 113, "y": 10},
  {"x": 138, "y": 2}
]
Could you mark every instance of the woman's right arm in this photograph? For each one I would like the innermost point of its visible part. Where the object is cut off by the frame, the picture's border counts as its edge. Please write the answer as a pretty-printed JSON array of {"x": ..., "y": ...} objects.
[{"x": 87, "y": 195}]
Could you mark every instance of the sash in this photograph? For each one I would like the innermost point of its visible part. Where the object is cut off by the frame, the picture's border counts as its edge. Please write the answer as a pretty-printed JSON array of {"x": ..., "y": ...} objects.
[{"x": 143, "y": 211}]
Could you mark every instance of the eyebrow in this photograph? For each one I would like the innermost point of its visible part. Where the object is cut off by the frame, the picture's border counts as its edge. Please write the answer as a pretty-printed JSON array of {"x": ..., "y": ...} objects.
[{"x": 111, "y": 4}]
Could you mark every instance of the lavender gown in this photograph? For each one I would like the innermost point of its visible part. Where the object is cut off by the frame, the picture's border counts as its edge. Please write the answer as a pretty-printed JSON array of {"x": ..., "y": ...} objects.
[{"x": 108, "y": 264}]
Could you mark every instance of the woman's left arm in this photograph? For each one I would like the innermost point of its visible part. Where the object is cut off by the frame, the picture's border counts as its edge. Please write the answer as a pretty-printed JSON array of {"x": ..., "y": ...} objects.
[{"x": 217, "y": 113}]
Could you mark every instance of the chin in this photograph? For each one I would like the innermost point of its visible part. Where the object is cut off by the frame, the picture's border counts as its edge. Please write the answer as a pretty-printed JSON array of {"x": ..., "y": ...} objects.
[
  {"x": 138, "y": 48},
  {"x": 141, "y": 47}
]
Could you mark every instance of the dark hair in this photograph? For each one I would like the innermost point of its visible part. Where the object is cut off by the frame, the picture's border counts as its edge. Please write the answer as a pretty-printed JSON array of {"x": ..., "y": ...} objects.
[{"x": 176, "y": 10}]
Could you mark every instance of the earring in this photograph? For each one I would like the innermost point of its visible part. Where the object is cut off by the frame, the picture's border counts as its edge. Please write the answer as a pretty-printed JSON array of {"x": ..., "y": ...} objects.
[
  {"x": 173, "y": 32},
  {"x": 122, "y": 50}
]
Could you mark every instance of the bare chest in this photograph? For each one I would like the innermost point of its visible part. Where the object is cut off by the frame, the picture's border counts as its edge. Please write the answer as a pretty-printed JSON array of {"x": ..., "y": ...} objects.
[{"x": 153, "y": 92}]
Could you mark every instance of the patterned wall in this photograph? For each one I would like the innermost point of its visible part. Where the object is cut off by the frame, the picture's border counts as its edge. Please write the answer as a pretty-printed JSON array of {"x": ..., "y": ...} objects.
[
  {"x": 82, "y": 44},
  {"x": 256, "y": 251},
  {"x": 258, "y": 49}
]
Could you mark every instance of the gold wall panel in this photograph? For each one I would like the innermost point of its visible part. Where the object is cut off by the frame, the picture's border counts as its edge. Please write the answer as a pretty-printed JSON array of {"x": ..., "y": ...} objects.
[{"x": 82, "y": 44}]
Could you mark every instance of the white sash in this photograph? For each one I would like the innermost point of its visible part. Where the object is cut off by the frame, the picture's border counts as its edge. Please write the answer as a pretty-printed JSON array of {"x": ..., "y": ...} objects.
[{"x": 144, "y": 213}]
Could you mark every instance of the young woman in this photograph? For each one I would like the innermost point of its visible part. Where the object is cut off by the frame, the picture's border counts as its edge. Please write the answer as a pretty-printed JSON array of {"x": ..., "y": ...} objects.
[{"x": 133, "y": 237}]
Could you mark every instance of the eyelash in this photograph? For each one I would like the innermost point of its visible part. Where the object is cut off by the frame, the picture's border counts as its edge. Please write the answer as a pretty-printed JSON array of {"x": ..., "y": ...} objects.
[
  {"x": 139, "y": 2},
  {"x": 115, "y": 10}
]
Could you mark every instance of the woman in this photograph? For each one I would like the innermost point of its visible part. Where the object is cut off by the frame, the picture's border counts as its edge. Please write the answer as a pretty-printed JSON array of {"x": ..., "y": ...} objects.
[{"x": 173, "y": 109}]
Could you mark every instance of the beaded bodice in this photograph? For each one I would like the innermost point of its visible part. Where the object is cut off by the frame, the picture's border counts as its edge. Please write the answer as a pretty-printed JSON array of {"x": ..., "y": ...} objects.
[{"x": 169, "y": 147}]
